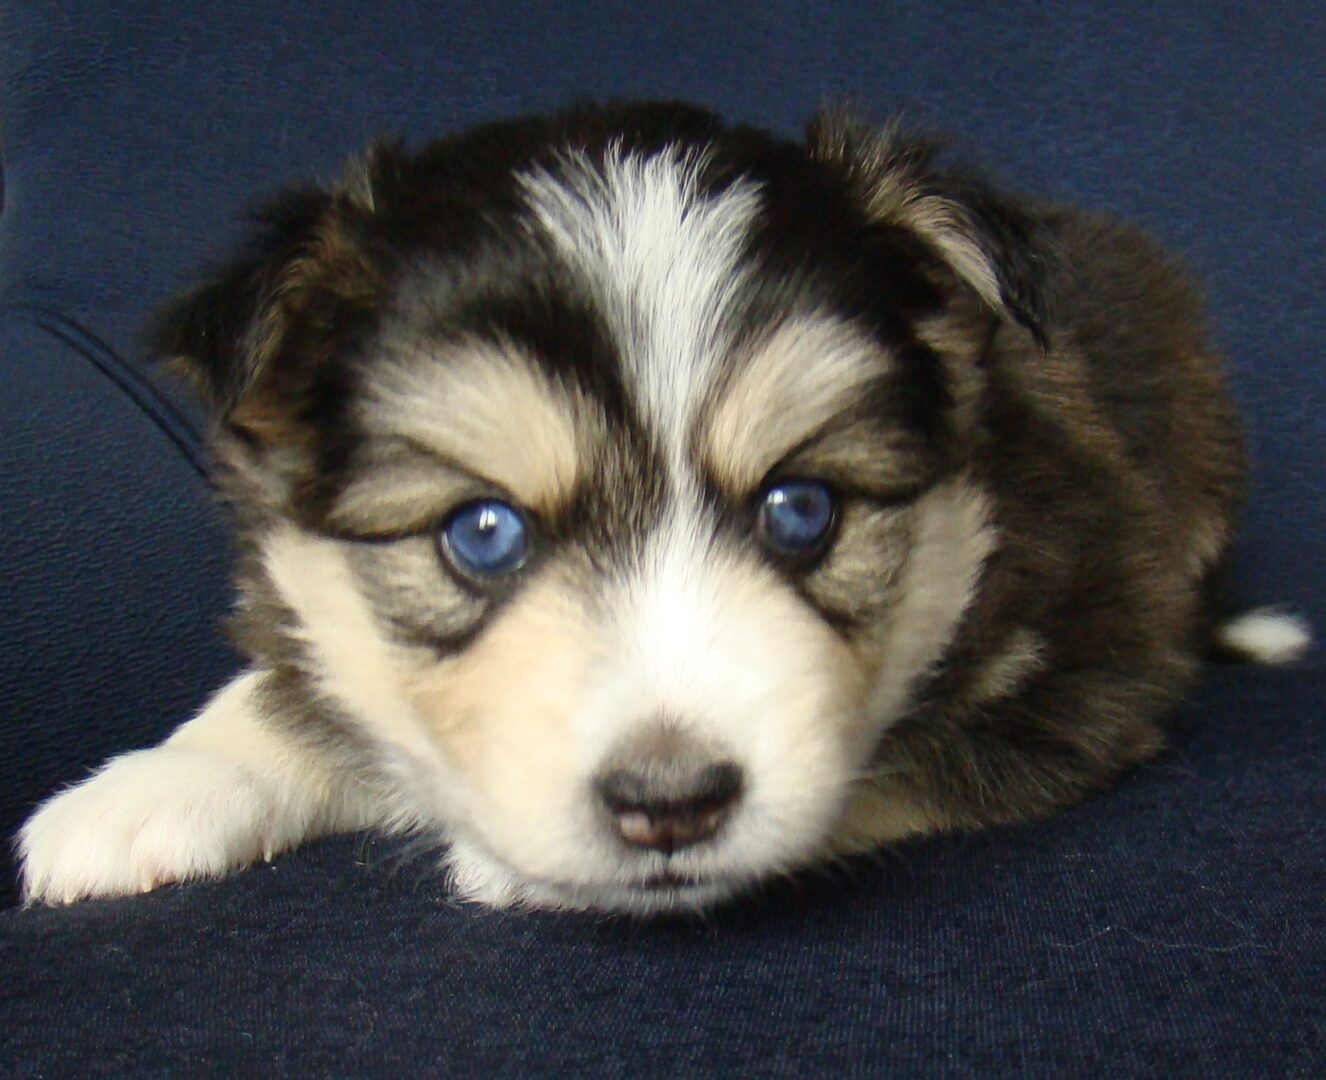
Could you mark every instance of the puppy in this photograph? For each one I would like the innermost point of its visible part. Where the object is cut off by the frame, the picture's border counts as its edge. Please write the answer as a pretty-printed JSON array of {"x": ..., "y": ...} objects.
[{"x": 643, "y": 507}]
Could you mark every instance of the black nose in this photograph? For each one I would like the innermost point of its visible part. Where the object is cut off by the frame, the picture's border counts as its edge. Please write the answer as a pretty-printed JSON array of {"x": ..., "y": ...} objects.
[{"x": 668, "y": 808}]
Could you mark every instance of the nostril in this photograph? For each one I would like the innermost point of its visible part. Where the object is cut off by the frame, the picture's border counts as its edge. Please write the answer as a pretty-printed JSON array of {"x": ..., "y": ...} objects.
[
  {"x": 622, "y": 790},
  {"x": 626, "y": 790},
  {"x": 665, "y": 810},
  {"x": 719, "y": 784}
]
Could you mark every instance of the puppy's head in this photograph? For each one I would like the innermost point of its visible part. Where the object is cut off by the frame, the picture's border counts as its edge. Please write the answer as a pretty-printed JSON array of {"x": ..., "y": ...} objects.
[{"x": 604, "y": 479}]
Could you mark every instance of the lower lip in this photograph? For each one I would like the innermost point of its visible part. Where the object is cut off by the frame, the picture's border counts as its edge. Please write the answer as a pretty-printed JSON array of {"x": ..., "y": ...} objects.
[{"x": 669, "y": 883}]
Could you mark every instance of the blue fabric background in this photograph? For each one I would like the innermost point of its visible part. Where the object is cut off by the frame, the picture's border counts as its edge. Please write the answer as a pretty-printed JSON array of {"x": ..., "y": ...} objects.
[{"x": 1174, "y": 926}]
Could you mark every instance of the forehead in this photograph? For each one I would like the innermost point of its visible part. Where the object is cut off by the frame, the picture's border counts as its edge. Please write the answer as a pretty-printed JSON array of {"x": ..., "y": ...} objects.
[
  {"x": 709, "y": 308},
  {"x": 662, "y": 260}
]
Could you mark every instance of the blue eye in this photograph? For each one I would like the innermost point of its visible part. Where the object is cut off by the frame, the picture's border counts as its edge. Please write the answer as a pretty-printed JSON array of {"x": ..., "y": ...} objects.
[
  {"x": 485, "y": 539},
  {"x": 796, "y": 516}
]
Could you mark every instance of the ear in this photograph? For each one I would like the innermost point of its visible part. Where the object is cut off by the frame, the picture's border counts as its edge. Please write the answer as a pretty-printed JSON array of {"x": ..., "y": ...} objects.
[
  {"x": 987, "y": 239},
  {"x": 223, "y": 335},
  {"x": 252, "y": 338}
]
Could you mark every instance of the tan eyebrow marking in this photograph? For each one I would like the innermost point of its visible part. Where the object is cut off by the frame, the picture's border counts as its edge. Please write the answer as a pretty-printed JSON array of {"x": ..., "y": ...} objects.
[
  {"x": 483, "y": 409},
  {"x": 396, "y": 489},
  {"x": 794, "y": 381}
]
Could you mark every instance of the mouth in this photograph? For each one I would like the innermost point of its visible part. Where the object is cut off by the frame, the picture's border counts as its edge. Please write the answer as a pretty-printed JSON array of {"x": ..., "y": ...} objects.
[
  {"x": 668, "y": 891},
  {"x": 659, "y": 893},
  {"x": 668, "y": 880},
  {"x": 639, "y": 886}
]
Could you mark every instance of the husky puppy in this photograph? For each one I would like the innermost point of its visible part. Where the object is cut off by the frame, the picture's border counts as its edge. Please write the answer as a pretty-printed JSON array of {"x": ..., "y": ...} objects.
[{"x": 642, "y": 506}]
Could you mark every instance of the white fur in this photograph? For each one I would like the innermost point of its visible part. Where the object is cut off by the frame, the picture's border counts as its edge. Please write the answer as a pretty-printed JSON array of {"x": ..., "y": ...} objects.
[
  {"x": 361, "y": 673},
  {"x": 661, "y": 259},
  {"x": 1265, "y": 636},
  {"x": 713, "y": 643},
  {"x": 222, "y": 792}
]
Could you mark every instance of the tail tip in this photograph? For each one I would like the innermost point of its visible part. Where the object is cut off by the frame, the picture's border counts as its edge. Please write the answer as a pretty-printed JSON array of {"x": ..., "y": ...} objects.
[{"x": 1266, "y": 636}]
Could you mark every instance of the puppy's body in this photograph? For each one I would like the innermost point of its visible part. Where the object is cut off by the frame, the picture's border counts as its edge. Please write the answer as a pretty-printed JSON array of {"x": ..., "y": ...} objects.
[{"x": 843, "y": 499}]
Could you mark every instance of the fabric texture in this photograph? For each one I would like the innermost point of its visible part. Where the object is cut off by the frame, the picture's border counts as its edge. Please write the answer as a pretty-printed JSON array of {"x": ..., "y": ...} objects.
[{"x": 1174, "y": 926}]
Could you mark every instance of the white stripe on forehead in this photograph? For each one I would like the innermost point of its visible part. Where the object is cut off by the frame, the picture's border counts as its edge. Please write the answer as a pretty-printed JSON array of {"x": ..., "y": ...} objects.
[{"x": 662, "y": 259}]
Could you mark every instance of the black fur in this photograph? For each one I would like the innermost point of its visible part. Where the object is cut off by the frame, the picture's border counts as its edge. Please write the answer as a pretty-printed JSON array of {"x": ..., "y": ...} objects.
[{"x": 1082, "y": 480}]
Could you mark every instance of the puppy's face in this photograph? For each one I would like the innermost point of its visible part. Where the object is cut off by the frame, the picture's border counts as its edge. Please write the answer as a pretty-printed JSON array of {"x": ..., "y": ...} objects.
[{"x": 604, "y": 482}]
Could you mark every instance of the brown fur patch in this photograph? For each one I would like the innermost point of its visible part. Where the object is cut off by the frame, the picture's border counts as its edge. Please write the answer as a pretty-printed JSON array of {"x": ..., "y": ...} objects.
[
  {"x": 803, "y": 375},
  {"x": 444, "y": 416}
]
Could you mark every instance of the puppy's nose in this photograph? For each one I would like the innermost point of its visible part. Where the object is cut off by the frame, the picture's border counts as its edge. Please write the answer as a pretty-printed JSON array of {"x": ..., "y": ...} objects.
[{"x": 668, "y": 806}]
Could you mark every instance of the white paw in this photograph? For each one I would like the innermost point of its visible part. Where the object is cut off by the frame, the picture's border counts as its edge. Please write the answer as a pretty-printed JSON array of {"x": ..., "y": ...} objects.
[{"x": 147, "y": 818}]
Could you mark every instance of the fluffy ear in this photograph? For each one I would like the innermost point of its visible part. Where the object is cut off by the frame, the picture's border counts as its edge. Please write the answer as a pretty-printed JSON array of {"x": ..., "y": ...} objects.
[
  {"x": 988, "y": 240},
  {"x": 252, "y": 337}
]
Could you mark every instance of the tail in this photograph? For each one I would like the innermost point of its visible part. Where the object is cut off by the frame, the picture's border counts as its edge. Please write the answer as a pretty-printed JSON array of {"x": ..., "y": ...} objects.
[{"x": 1263, "y": 636}]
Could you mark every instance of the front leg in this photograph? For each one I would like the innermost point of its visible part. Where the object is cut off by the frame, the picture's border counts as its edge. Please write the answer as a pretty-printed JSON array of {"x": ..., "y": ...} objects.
[{"x": 225, "y": 790}]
